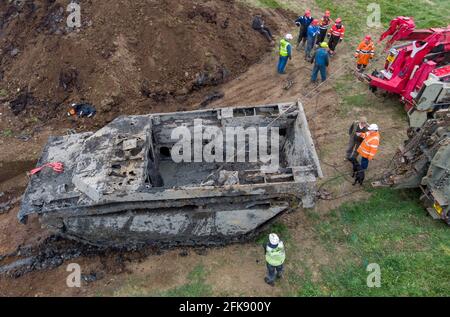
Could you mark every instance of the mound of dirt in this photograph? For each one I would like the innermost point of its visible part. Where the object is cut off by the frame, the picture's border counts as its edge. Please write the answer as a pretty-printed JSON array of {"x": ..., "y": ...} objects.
[{"x": 127, "y": 55}]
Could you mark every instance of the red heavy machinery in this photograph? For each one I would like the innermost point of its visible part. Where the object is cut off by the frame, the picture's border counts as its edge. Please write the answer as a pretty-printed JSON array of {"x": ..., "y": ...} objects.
[{"x": 419, "y": 71}]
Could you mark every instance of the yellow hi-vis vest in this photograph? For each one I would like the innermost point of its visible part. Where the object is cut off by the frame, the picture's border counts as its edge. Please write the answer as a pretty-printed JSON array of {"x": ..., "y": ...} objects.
[
  {"x": 283, "y": 47},
  {"x": 276, "y": 257}
]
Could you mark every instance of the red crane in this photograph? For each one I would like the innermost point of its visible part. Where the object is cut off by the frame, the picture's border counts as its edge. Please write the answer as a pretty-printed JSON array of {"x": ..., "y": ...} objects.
[{"x": 425, "y": 55}]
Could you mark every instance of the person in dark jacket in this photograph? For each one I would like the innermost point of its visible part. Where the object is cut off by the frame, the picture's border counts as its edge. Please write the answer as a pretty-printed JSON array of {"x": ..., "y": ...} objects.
[
  {"x": 82, "y": 110},
  {"x": 258, "y": 25},
  {"x": 303, "y": 22},
  {"x": 321, "y": 61},
  {"x": 354, "y": 132}
]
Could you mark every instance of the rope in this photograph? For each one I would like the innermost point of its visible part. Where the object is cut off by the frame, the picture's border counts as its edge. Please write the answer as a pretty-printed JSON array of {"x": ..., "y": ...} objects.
[{"x": 58, "y": 167}]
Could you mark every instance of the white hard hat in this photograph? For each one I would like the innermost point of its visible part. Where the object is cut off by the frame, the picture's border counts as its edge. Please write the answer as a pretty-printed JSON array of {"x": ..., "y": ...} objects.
[
  {"x": 289, "y": 36},
  {"x": 373, "y": 127},
  {"x": 273, "y": 238}
]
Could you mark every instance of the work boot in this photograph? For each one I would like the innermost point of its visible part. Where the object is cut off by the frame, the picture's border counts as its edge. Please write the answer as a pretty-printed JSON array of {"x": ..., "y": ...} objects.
[
  {"x": 279, "y": 276},
  {"x": 271, "y": 283}
]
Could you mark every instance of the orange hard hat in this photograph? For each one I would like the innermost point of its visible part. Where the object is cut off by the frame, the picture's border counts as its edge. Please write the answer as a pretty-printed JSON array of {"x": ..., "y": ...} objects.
[
  {"x": 327, "y": 13},
  {"x": 308, "y": 13},
  {"x": 315, "y": 22},
  {"x": 338, "y": 20}
]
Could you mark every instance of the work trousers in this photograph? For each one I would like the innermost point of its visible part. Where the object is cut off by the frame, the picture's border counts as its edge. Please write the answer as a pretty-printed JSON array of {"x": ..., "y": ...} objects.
[
  {"x": 361, "y": 67},
  {"x": 323, "y": 72},
  {"x": 282, "y": 62},
  {"x": 333, "y": 42},
  {"x": 273, "y": 272},
  {"x": 364, "y": 163},
  {"x": 266, "y": 32},
  {"x": 353, "y": 146},
  {"x": 302, "y": 35},
  {"x": 309, "y": 47},
  {"x": 321, "y": 36}
]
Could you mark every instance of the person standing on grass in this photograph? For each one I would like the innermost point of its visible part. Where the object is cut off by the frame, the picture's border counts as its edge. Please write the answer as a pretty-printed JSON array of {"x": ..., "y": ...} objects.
[
  {"x": 369, "y": 146},
  {"x": 356, "y": 132},
  {"x": 336, "y": 35},
  {"x": 324, "y": 25},
  {"x": 285, "y": 53},
  {"x": 321, "y": 61},
  {"x": 364, "y": 53},
  {"x": 275, "y": 257}
]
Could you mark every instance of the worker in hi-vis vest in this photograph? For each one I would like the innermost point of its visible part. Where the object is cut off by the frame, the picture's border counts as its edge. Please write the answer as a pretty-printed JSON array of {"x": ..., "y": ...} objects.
[
  {"x": 369, "y": 146},
  {"x": 275, "y": 257},
  {"x": 285, "y": 53}
]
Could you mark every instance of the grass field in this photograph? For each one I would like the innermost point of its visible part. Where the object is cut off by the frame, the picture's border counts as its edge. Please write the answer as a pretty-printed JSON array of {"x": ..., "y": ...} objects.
[
  {"x": 354, "y": 13},
  {"x": 391, "y": 230},
  {"x": 427, "y": 13}
]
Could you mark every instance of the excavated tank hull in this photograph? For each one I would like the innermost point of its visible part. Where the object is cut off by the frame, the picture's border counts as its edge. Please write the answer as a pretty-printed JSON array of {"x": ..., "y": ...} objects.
[{"x": 122, "y": 187}]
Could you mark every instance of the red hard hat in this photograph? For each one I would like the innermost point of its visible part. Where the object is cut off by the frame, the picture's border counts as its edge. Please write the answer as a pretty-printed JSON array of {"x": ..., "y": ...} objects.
[
  {"x": 368, "y": 38},
  {"x": 338, "y": 20},
  {"x": 327, "y": 13},
  {"x": 308, "y": 13},
  {"x": 315, "y": 22}
]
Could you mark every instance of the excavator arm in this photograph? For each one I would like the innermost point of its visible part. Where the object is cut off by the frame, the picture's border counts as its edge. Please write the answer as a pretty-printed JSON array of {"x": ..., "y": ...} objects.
[
  {"x": 404, "y": 29},
  {"x": 399, "y": 28},
  {"x": 408, "y": 65}
]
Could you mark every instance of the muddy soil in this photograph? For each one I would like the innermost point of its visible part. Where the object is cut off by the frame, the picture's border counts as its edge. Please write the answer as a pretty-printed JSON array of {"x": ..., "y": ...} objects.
[{"x": 128, "y": 56}]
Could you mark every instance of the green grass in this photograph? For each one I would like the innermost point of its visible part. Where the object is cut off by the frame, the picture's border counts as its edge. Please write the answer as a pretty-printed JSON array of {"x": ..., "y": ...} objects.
[
  {"x": 390, "y": 229},
  {"x": 279, "y": 228},
  {"x": 355, "y": 95},
  {"x": 269, "y": 4},
  {"x": 138, "y": 286},
  {"x": 7, "y": 133},
  {"x": 272, "y": 4},
  {"x": 354, "y": 13},
  {"x": 196, "y": 287}
]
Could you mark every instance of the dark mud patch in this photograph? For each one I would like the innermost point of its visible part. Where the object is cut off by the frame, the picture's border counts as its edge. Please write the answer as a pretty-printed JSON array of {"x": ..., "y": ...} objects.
[{"x": 9, "y": 170}]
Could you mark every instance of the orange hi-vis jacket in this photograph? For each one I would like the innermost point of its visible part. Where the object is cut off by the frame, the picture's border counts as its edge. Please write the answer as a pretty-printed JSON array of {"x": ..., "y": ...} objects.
[
  {"x": 334, "y": 31},
  {"x": 365, "y": 52},
  {"x": 370, "y": 144}
]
